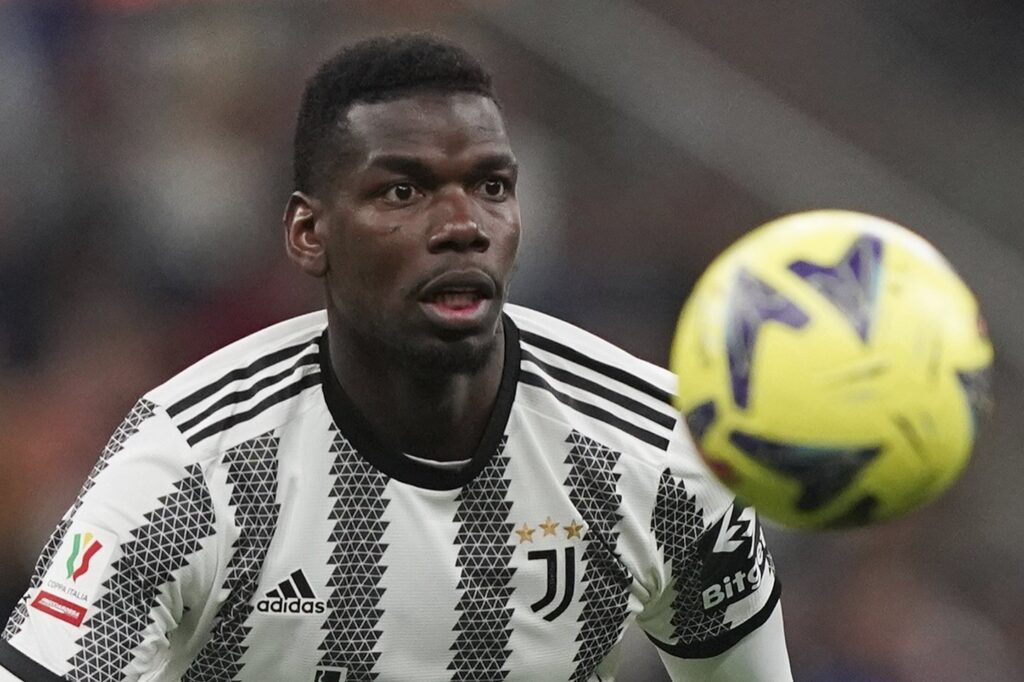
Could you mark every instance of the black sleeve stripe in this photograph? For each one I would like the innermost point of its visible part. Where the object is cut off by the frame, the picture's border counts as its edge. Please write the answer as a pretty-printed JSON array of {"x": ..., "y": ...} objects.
[
  {"x": 24, "y": 667},
  {"x": 236, "y": 374},
  {"x": 239, "y": 396},
  {"x": 285, "y": 393},
  {"x": 727, "y": 640},
  {"x": 595, "y": 411},
  {"x": 610, "y": 371},
  {"x": 663, "y": 419}
]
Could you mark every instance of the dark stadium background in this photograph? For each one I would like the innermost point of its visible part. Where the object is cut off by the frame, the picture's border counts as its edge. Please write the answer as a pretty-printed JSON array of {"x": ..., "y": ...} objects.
[{"x": 144, "y": 163}]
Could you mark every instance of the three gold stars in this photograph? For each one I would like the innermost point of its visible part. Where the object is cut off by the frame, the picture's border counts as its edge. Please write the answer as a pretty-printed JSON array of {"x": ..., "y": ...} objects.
[{"x": 550, "y": 527}]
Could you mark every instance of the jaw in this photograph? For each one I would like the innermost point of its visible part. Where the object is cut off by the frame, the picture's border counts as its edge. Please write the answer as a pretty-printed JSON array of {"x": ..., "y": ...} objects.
[
  {"x": 461, "y": 343},
  {"x": 466, "y": 356},
  {"x": 415, "y": 342}
]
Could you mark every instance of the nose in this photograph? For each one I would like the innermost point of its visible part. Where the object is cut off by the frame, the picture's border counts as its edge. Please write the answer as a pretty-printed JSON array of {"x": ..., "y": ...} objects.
[{"x": 457, "y": 230}]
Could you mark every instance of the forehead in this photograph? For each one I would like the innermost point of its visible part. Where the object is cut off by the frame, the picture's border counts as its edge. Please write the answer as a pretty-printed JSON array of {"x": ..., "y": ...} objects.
[{"x": 428, "y": 124}]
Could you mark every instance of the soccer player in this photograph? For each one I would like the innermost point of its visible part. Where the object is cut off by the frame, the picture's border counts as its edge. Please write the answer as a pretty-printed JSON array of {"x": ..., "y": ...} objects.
[{"x": 420, "y": 482}]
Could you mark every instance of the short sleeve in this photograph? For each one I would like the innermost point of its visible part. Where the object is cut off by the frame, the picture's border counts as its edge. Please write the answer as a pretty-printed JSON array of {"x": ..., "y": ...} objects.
[
  {"x": 717, "y": 577},
  {"x": 109, "y": 584}
]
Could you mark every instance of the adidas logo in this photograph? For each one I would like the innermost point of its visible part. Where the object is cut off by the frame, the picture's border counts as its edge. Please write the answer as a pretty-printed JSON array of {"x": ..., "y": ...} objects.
[{"x": 293, "y": 595}]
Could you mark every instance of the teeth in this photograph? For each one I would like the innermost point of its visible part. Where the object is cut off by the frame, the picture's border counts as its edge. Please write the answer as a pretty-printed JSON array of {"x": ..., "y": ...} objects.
[{"x": 456, "y": 298}]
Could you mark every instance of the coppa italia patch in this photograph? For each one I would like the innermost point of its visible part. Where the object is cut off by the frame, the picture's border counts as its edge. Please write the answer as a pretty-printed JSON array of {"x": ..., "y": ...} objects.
[{"x": 73, "y": 579}]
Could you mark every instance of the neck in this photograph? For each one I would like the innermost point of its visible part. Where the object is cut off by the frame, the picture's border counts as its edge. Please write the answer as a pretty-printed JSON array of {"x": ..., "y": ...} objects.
[{"x": 440, "y": 416}]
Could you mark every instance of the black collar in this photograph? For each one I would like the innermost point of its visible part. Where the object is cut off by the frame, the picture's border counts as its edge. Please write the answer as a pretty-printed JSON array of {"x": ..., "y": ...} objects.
[{"x": 354, "y": 426}]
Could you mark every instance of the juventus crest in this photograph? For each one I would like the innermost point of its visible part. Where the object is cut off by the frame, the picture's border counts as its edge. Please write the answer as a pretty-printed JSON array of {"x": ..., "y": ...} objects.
[{"x": 559, "y": 563}]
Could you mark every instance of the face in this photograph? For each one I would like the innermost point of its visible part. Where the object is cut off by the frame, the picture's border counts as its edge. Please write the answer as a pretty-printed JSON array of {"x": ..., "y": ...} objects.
[{"x": 417, "y": 233}]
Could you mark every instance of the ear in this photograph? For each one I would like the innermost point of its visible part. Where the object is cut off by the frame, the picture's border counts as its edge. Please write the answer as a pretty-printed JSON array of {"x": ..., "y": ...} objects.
[{"x": 303, "y": 242}]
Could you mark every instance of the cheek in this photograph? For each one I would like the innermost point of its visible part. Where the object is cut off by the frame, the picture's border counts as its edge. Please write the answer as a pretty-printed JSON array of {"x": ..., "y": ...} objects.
[
  {"x": 369, "y": 265},
  {"x": 512, "y": 235}
]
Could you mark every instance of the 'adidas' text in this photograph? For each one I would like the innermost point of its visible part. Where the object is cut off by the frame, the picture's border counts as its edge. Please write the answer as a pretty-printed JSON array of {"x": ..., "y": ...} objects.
[{"x": 290, "y": 606}]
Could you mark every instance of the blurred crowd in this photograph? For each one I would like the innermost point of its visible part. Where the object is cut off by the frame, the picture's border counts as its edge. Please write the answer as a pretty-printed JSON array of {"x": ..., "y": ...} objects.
[{"x": 144, "y": 165}]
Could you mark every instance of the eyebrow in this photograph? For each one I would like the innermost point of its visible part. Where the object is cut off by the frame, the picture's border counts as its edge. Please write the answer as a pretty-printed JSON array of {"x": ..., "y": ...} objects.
[
  {"x": 422, "y": 173},
  {"x": 496, "y": 162}
]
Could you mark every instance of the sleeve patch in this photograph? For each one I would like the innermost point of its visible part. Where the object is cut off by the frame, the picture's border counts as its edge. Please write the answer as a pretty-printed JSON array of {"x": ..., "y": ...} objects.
[
  {"x": 722, "y": 578},
  {"x": 72, "y": 582},
  {"x": 735, "y": 559}
]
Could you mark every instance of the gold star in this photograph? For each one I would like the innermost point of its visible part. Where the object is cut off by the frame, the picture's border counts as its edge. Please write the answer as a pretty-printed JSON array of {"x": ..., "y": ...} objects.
[
  {"x": 573, "y": 530},
  {"x": 549, "y": 527},
  {"x": 525, "y": 533}
]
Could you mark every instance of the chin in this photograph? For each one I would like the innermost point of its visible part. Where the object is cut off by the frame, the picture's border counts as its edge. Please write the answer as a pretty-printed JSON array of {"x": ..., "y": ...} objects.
[
  {"x": 465, "y": 356},
  {"x": 427, "y": 350}
]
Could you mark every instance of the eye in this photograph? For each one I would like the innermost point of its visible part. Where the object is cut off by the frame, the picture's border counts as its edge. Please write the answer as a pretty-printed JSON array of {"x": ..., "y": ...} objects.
[
  {"x": 401, "y": 193},
  {"x": 495, "y": 188}
]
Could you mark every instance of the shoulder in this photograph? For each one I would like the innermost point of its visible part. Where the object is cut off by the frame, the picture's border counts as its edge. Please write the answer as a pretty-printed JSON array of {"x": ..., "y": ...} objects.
[
  {"x": 567, "y": 344},
  {"x": 595, "y": 383},
  {"x": 244, "y": 379}
]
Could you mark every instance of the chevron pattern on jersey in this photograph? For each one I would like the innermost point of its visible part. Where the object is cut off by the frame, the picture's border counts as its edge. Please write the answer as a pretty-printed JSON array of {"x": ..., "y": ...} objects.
[
  {"x": 160, "y": 547},
  {"x": 592, "y": 484},
  {"x": 485, "y": 554},
  {"x": 677, "y": 524},
  {"x": 353, "y": 609},
  {"x": 252, "y": 475},
  {"x": 142, "y": 411}
]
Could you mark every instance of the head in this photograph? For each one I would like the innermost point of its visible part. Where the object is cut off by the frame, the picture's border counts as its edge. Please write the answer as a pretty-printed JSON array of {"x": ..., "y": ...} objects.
[{"x": 405, "y": 201}]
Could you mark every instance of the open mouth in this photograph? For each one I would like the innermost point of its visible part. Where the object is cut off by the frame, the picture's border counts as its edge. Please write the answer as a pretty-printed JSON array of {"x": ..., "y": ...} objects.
[{"x": 458, "y": 298}]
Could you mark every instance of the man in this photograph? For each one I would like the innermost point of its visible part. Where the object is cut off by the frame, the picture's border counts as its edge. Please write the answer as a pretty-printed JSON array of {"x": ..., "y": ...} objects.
[{"x": 421, "y": 482}]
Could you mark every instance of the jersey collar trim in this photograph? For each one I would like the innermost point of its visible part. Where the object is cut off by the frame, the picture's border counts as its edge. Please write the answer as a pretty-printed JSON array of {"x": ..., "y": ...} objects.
[{"x": 353, "y": 425}]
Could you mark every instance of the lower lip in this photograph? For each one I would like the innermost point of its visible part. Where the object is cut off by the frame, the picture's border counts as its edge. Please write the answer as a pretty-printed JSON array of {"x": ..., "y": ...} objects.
[{"x": 457, "y": 317}]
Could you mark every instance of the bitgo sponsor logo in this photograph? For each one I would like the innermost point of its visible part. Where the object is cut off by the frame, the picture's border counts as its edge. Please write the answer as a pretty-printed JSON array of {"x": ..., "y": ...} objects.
[{"x": 737, "y": 561}]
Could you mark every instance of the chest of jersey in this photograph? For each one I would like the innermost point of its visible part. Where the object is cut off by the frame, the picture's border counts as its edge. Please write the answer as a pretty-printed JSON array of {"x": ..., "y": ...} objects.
[{"x": 513, "y": 576}]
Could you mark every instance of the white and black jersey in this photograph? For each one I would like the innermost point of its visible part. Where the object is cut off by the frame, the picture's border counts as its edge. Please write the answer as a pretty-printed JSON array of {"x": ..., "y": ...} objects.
[{"x": 244, "y": 523}]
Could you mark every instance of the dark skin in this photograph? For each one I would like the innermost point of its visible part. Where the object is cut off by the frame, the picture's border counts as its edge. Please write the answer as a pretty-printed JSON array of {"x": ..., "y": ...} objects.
[{"x": 415, "y": 237}]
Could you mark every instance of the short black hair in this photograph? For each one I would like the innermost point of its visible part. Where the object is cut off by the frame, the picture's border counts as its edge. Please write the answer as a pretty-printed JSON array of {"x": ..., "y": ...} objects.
[{"x": 374, "y": 70}]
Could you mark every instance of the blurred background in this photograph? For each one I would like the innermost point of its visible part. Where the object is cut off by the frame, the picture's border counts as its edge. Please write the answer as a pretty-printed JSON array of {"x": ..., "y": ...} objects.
[{"x": 145, "y": 162}]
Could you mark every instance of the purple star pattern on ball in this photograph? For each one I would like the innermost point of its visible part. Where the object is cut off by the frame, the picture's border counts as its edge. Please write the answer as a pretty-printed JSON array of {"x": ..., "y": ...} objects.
[
  {"x": 751, "y": 304},
  {"x": 977, "y": 386},
  {"x": 851, "y": 285}
]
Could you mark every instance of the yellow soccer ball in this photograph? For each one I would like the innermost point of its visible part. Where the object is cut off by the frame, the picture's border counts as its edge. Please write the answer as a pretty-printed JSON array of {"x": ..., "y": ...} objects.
[{"x": 832, "y": 369}]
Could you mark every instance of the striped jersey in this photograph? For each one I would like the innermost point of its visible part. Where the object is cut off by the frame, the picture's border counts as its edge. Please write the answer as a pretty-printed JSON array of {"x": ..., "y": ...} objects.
[{"x": 244, "y": 523}]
